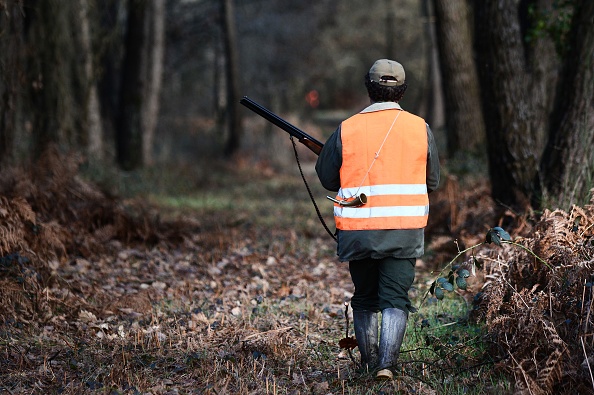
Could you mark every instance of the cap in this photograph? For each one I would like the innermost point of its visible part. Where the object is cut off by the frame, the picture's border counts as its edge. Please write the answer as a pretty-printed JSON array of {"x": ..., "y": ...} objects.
[{"x": 387, "y": 72}]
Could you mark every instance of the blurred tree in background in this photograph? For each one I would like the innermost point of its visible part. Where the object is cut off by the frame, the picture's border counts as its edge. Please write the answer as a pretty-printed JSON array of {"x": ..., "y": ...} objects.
[
  {"x": 567, "y": 167},
  {"x": 89, "y": 70},
  {"x": 517, "y": 77},
  {"x": 139, "y": 82},
  {"x": 534, "y": 96},
  {"x": 464, "y": 122},
  {"x": 11, "y": 43},
  {"x": 232, "y": 77},
  {"x": 129, "y": 131}
]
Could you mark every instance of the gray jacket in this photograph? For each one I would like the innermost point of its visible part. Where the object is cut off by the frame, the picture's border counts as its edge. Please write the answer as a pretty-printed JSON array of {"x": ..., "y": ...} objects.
[{"x": 360, "y": 244}]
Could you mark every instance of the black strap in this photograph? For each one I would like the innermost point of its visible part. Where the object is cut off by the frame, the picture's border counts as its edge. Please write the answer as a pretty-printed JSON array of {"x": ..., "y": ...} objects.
[{"x": 309, "y": 191}]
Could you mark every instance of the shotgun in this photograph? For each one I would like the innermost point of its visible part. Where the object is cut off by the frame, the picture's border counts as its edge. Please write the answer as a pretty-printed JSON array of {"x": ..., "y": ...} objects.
[{"x": 314, "y": 145}]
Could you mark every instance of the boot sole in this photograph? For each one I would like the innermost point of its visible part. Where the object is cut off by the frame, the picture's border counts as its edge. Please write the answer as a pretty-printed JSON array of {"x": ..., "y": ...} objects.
[{"x": 384, "y": 375}]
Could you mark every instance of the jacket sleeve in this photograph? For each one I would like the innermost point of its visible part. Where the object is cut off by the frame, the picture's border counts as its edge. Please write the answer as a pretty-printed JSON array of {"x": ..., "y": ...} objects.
[
  {"x": 433, "y": 172},
  {"x": 330, "y": 161}
]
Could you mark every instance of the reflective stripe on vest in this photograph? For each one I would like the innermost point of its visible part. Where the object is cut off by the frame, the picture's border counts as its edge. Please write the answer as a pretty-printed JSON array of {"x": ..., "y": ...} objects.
[{"x": 396, "y": 185}]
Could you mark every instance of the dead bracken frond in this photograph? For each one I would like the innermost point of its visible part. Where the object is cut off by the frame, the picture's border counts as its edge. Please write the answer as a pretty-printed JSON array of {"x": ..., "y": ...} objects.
[
  {"x": 49, "y": 214},
  {"x": 551, "y": 372},
  {"x": 99, "y": 293},
  {"x": 12, "y": 225},
  {"x": 540, "y": 312}
]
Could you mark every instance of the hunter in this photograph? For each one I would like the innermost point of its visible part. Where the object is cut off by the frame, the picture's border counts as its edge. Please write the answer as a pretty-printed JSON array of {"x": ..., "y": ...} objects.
[{"x": 383, "y": 163}]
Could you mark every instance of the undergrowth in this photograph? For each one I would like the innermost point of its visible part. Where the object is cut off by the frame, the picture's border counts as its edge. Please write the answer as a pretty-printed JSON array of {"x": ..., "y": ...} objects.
[{"x": 220, "y": 280}]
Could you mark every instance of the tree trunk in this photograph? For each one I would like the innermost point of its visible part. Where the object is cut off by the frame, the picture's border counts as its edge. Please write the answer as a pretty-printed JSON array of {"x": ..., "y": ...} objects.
[
  {"x": 11, "y": 18},
  {"x": 568, "y": 161},
  {"x": 232, "y": 78},
  {"x": 129, "y": 143},
  {"x": 155, "y": 51},
  {"x": 53, "y": 74},
  {"x": 516, "y": 87},
  {"x": 112, "y": 31},
  {"x": 218, "y": 64},
  {"x": 464, "y": 119},
  {"x": 432, "y": 91},
  {"x": 390, "y": 47},
  {"x": 92, "y": 127}
]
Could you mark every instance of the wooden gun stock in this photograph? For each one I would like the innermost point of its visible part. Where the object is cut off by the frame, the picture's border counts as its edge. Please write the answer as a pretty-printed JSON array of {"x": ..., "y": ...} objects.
[{"x": 314, "y": 145}]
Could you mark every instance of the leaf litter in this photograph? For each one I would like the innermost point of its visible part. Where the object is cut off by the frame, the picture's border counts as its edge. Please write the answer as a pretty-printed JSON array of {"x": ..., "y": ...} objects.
[{"x": 102, "y": 294}]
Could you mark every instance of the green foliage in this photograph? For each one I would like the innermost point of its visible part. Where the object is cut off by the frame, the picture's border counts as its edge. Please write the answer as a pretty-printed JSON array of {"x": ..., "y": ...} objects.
[
  {"x": 443, "y": 284},
  {"x": 448, "y": 352},
  {"x": 457, "y": 275},
  {"x": 148, "y": 181},
  {"x": 555, "y": 24},
  {"x": 496, "y": 235}
]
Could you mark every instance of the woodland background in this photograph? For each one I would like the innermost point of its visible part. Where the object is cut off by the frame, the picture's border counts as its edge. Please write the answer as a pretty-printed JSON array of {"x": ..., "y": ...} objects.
[{"x": 155, "y": 237}]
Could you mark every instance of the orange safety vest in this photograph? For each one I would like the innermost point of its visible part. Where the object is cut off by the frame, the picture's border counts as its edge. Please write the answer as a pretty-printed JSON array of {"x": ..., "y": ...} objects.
[{"x": 396, "y": 185}]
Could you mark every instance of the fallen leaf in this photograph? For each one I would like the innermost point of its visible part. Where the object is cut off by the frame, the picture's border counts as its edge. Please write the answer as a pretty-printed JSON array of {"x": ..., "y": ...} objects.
[{"x": 348, "y": 343}]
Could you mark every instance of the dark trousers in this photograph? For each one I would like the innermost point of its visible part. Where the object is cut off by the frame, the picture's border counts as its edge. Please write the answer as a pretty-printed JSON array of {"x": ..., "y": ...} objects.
[{"x": 382, "y": 283}]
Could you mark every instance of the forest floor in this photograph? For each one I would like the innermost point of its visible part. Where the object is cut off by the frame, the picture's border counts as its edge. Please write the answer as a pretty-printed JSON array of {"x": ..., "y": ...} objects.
[{"x": 222, "y": 281}]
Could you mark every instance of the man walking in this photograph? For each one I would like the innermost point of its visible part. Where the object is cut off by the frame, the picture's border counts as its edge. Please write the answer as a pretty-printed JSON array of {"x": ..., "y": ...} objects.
[{"x": 383, "y": 162}]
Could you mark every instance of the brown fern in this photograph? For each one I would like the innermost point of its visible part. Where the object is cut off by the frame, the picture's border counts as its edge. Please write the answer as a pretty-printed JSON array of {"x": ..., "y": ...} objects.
[{"x": 551, "y": 372}]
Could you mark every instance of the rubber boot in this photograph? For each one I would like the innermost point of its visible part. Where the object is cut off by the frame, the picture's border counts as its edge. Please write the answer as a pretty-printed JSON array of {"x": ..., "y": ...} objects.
[
  {"x": 391, "y": 336},
  {"x": 366, "y": 328}
]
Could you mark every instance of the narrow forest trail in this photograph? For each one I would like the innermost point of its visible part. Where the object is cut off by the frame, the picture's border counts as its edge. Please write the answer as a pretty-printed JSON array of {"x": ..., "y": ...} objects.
[{"x": 236, "y": 289}]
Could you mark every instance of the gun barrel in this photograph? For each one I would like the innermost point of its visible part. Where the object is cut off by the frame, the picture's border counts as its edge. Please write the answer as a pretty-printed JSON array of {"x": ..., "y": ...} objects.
[{"x": 310, "y": 142}]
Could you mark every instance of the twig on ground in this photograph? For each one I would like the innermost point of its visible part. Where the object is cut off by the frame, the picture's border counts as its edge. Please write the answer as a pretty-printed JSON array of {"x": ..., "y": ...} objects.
[
  {"x": 587, "y": 361},
  {"x": 346, "y": 330},
  {"x": 253, "y": 335}
]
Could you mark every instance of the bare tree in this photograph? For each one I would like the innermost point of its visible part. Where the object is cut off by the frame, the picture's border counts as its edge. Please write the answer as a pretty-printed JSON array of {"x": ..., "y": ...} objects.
[
  {"x": 517, "y": 78},
  {"x": 154, "y": 54},
  {"x": 390, "y": 29},
  {"x": 92, "y": 125},
  {"x": 432, "y": 92},
  {"x": 464, "y": 119},
  {"x": 232, "y": 78},
  {"x": 109, "y": 50},
  {"x": 129, "y": 139},
  {"x": 57, "y": 101},
  {"x": 525, "y": 110},
  {"x": 568, "y": 161},
  {"x": 54, "y": 75},
  {"x": 11, "y": 20}
]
